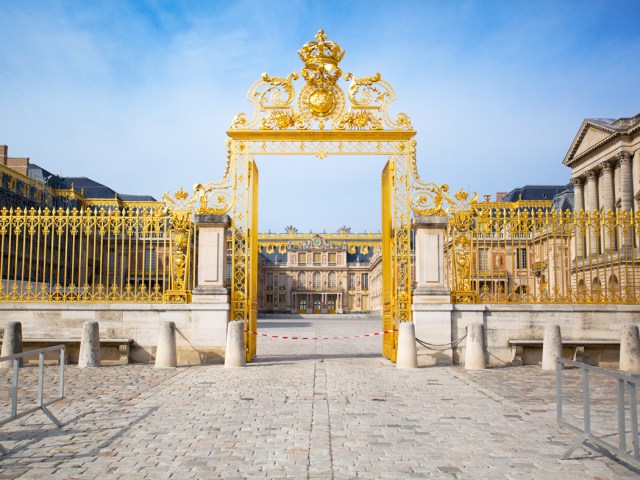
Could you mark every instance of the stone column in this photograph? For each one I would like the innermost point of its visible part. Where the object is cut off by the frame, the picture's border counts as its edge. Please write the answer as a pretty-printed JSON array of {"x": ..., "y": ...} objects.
[
  {"x": 578, "y": 204},
  {"x": 431, "y": 296},
  {"x": 592, "y": 206},
  {"x": 626, "y": 181},
  {"x": 626, "y": 192},
  {"x": 578, "y": 199},
  {"x": 635, "y": 174},
  {"x": 608, "y": 234},
  {"x": 212, "y": 259}
]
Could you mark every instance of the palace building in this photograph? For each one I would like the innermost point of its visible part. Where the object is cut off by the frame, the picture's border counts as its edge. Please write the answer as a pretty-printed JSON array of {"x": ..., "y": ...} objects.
[
  {"x": 604, "y": 159},
  {"x": 319, "y": 272},
  {"x": 26, "y": 185}
]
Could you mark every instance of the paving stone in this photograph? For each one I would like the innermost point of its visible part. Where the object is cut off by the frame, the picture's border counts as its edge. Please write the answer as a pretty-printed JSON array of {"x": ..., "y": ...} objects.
[{"x": 306, "y": 409}]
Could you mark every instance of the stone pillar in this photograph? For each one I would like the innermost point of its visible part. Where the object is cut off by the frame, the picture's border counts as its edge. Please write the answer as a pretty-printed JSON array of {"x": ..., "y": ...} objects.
[
  {"x": 166, "y": 356},
  {"x": 474, "y": 352},
  {"x": 407, "y": 355},
  {"x": 89, "y": 345},
  {"x": 626, "y": 182},
  {"x": 626, "y": 193},
  {"x": 212, "y": 259},
  {"x": 635, "y": 174},
  {"x": 551, "y": 347},
  {"x": 429, "y": 247},
  {"x": 235, "y": 354},
  {"x": 578, "y": 205},
  {"x": 11, "y": 343},
  {"x": 630, "y": 349},
  {"x": 592, "y": 206},
  {"x": 433, "y": 325},
  {"x": 608, "y": 234}
]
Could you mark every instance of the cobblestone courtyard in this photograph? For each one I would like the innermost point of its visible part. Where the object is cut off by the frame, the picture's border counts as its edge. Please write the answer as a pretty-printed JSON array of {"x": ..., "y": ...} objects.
[{"x": 304, "y": 409}]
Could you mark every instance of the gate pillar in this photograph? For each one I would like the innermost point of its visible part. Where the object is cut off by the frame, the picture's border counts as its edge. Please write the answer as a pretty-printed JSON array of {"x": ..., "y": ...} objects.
[
  {"x": 431, "y": 296},
  {"x": 212, "y": 259},
  {"x": 429, "y": 247}
]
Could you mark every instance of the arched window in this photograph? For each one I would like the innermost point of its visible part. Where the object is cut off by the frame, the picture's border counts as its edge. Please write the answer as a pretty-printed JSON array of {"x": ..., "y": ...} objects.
[
  {"x": 614, "y": 284},
  {"x": 332, "y": 279},
  {"x": 316, "y": 280},
  {"x": 302, "y": 280}
]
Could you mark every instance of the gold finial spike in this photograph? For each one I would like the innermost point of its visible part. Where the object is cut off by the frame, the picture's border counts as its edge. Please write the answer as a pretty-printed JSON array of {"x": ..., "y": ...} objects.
[{"x": 320, "y": 36}]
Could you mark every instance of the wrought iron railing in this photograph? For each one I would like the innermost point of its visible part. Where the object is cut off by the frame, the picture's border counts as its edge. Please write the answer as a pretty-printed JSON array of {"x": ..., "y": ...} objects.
[
  {"x": 133, "y": 255},
  {"x": 538, "y": 255}
]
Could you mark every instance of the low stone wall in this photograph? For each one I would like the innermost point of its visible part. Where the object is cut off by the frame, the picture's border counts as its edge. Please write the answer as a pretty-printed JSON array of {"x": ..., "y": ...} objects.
[
  {"x": 201, "y": 328},
  {"x": 444, "y": 323}
]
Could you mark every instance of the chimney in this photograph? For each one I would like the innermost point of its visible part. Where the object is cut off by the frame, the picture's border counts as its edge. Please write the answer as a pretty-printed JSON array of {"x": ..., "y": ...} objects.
[
  {"x": 500, "y": 196},
  {"x": 19, "y": 164},
  {"x": 3, "y": 154}
]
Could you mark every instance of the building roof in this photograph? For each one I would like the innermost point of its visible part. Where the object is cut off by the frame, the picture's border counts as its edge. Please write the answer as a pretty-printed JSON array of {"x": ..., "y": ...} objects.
[
  {"x": 596, "y": 132},
  {"x": 534, "y": 192},
  {"x": 563, "y": 201}
]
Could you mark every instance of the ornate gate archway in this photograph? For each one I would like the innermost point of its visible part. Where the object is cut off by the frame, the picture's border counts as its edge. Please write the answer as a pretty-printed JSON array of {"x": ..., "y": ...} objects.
[{"x": 320, "y": 119}]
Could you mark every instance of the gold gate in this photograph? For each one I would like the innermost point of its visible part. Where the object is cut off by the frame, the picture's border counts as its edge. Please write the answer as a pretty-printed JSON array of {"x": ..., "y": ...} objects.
[{"x": 320, "y": 120}]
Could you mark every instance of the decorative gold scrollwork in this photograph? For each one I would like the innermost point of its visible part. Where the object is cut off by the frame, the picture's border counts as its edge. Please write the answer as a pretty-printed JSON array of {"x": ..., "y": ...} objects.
[{"x": 321, "y": 99}]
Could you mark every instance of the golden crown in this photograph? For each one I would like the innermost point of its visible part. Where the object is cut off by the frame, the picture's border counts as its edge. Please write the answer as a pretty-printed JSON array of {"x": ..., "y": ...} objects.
[{"x": 321, "y": 59}]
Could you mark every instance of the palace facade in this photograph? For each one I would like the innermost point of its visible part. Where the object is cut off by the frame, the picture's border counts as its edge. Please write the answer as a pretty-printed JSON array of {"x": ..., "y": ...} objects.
[{"x": 319, "y": 272}]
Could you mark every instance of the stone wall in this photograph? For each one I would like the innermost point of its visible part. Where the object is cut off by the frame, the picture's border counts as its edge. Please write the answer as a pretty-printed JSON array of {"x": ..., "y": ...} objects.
[
  {"x": 443, "y": 323},
  {"x": 200, "y": 328}
]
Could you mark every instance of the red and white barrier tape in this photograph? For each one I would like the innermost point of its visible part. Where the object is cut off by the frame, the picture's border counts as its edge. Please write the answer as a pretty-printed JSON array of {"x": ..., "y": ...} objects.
[{"x": 283, "y": 337}]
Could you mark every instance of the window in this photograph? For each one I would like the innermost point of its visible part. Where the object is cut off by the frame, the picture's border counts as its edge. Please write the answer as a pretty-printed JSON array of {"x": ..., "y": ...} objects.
[
  {"x": 317, "y": 258},
  {"x": 483, "y": 258},
  {"x": 316, "y": 280},
  {"x": 302, "y": 280},
  {"x": 282, "y": 299},
  {"x": 332, "y": 258},
  {"x": 302, "y": 258},
  {"x": 332, "y": 279},
  {"x": 282, "y": 281},
  {"x": 269, "y": 281},
  {"x": 521, "y": 257},
  {"x": 365, "y": 281},
  {"x": 352, "y": 281},
  {"x": 269, "y": 298}
]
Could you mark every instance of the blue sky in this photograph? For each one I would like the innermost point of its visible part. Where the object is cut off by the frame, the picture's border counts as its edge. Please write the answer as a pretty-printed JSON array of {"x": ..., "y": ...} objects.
[{"x": 139, "y": 95}]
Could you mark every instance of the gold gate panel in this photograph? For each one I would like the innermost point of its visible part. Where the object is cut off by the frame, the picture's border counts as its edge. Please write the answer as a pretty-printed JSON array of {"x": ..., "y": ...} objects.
[{"x": 322, "y": 118}]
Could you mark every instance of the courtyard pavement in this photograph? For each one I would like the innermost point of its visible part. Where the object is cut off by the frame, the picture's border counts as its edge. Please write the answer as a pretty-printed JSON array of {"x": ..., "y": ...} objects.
[{"x": 306, "y": 409}]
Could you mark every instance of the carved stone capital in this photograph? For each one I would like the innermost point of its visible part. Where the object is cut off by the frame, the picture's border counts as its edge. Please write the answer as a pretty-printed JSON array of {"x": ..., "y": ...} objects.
[
  {"x": 576, "y": 182},
  {"x": 591, "y": 176},
  {"x": 624, "y": 158},
  {"x": 605, "y": 168}
]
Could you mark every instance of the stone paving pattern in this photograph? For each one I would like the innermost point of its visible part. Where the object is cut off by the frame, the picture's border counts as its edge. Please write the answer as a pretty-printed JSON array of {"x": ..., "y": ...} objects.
[{"x": 304, "y": 409}]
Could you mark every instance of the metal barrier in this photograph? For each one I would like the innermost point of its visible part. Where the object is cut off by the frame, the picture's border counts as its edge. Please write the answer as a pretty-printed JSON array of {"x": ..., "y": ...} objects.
[
  {"x": 40, "y": 403},
  {"x": 587, "y": 438}
]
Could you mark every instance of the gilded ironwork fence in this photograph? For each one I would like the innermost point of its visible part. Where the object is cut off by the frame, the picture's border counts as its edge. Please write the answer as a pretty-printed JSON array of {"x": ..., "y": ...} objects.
[
  {"x": 112, "y": 256},
  {"x": 528, "y": 253}
]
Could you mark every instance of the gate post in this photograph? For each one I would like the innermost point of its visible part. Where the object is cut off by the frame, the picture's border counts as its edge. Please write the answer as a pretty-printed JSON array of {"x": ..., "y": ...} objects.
[
  {"x": 431, "y": 296},
  {"x": 210, "y": 305},
  {"x": 212, "y": 259}
]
